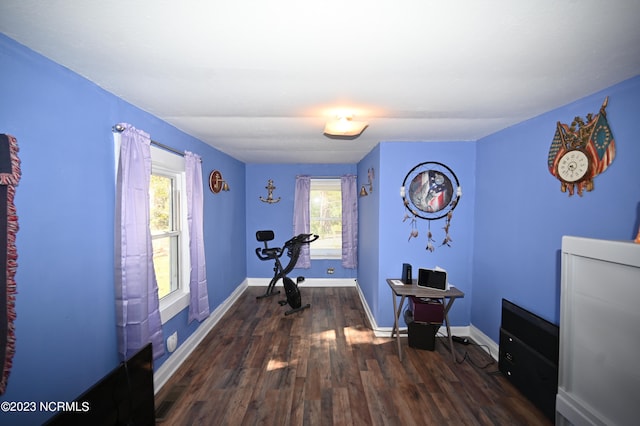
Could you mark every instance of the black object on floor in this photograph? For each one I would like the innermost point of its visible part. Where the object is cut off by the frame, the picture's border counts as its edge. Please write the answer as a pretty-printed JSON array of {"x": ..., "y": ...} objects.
[{"x": 422, "y": 335}]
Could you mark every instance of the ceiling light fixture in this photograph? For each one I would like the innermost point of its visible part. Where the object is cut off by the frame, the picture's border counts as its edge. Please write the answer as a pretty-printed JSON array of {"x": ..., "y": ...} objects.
[{"x": 344, "y": 127}]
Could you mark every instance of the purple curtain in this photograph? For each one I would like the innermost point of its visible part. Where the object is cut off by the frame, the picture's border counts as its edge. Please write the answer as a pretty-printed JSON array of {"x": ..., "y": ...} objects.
[
  {"x": 349, "y": 189},
  {"x": 137, "y": 305},
  {"x": 198, "y": 294},
  {"x": 301, "y": 221}
]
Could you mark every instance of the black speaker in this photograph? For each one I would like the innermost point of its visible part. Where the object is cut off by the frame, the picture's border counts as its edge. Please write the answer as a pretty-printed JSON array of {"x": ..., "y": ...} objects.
[{"x": 407, "y": 275}]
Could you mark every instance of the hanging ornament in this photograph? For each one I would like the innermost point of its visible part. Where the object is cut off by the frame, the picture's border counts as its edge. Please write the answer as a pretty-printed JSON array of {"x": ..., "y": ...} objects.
[
  {"x": 430, "y": 240},
  {"x": 433, "y": 193},
  {"x": 414, "y": 229}
]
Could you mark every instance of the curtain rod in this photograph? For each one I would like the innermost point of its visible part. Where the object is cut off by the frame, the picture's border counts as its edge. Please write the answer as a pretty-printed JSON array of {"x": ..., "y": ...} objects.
[{"x": 120, "y": 128}]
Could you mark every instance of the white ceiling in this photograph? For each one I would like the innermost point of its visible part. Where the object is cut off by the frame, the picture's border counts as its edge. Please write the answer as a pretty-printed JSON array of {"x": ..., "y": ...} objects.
[{"x": 258, "y": 79}]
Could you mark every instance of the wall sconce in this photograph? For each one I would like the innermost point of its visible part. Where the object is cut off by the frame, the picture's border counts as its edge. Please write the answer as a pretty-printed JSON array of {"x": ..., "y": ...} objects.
[
  {"x": 370, "y": 176},
  {"x": 269, "y": 189},
  {"x": 344, "y": 127},
  {"x": 217, "y": 183}
]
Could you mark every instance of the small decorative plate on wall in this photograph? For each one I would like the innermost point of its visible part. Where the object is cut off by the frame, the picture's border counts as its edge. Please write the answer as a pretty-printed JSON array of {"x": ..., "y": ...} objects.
[{"x": 215, "y": 181}]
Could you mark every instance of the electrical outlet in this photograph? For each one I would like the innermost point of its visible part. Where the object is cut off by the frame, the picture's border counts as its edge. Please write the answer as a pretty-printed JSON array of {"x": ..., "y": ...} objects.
[{"x": 172, "y": 342}]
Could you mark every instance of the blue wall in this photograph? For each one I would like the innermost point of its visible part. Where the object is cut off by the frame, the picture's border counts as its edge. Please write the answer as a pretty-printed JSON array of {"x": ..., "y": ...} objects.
[
  {"x": 388, "y": 246},
  {"x": 521, "y": 214},
  {"x": 279, "y": 216},
  {"x": 65, "y": 306},
  {"x": 369, "y": 250}
]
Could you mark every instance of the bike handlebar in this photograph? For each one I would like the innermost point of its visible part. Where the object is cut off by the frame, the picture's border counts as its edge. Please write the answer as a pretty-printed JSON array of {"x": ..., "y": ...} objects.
[
  {"x": 302, "y": 239},
  {"x": 274, "y": 253}
]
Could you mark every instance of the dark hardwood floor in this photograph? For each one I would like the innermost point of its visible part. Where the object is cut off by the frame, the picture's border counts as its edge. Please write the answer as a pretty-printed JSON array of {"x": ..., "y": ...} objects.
[{"x": 324, "y": 366}]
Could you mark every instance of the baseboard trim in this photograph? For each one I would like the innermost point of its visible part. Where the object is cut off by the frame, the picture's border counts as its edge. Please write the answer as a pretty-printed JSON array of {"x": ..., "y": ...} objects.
[
  {"x": 365, "y": 305},
  {"x": 171, "y": 365},
  {"x": 483, "y": 340},
  {"x": 308, "y": 282}
]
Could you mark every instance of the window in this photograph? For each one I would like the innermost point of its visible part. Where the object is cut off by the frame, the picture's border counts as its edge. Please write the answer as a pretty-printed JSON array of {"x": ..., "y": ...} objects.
[
  {"x": 165, "y": 232},
  {"x": 325, "y": 211},
  {"x": 168, "y": 222}
]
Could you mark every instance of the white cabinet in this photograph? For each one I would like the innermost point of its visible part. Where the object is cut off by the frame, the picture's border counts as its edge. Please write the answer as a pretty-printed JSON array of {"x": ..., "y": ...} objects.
[{"x": 599, "y": 368}]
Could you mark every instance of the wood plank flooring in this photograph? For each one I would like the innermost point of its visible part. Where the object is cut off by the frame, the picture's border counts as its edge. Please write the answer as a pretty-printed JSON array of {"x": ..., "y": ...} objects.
[{"x": 324, "y": 366}]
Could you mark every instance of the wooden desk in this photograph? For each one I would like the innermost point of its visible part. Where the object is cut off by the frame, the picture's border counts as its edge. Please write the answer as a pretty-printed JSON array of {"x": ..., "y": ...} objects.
[{"x": 404, "y": 290}]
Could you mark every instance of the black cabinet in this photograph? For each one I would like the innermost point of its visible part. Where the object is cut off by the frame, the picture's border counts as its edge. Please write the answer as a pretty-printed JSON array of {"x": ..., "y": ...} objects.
[
  {"x": 529, "y": 356},
  {"x": 532, "y": 374}
]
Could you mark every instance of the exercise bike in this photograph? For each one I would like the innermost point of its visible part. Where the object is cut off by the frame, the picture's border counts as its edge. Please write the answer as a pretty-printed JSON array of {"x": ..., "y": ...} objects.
[{"x": 292, "y": 248}]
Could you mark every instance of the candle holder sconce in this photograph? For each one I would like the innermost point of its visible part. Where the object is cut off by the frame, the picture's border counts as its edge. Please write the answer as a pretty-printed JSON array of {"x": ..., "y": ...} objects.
[
  {"x": 217, "y": 182},
  {"x": 370, "y": 176}
]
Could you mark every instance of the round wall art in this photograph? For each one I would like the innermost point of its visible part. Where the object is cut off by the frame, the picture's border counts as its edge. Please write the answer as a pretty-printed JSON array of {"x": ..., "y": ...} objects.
[{"x": 430, "y": 191}]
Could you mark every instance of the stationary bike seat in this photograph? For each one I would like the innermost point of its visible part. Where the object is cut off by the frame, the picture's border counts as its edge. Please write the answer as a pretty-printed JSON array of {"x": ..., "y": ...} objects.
[{"x": 271, "y": 253}]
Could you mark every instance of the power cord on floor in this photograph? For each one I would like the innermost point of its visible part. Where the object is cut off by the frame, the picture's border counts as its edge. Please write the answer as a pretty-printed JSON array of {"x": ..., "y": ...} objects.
[
  {"x": 466, "y": 356},
  {"x": 463, "y": 341}
]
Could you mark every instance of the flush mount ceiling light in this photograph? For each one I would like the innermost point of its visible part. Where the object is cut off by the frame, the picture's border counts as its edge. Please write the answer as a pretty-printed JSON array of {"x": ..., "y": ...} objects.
[{"x": 344, "y": 127}]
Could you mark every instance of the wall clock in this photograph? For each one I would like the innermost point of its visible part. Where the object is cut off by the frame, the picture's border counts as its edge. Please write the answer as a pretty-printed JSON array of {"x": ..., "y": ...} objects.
[
  {"x": 573, "y": 166},
  {"x": 581, "y": 151}
]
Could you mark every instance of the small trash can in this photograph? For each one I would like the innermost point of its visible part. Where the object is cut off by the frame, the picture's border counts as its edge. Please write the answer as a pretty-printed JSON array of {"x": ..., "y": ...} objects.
[{"x": 422, "y": 335}]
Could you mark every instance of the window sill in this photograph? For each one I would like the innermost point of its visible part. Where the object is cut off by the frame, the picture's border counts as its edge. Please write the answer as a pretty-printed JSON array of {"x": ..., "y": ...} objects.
[
  {"x": 325, "y": 257},
  {"x": 171, "y": 305}
]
